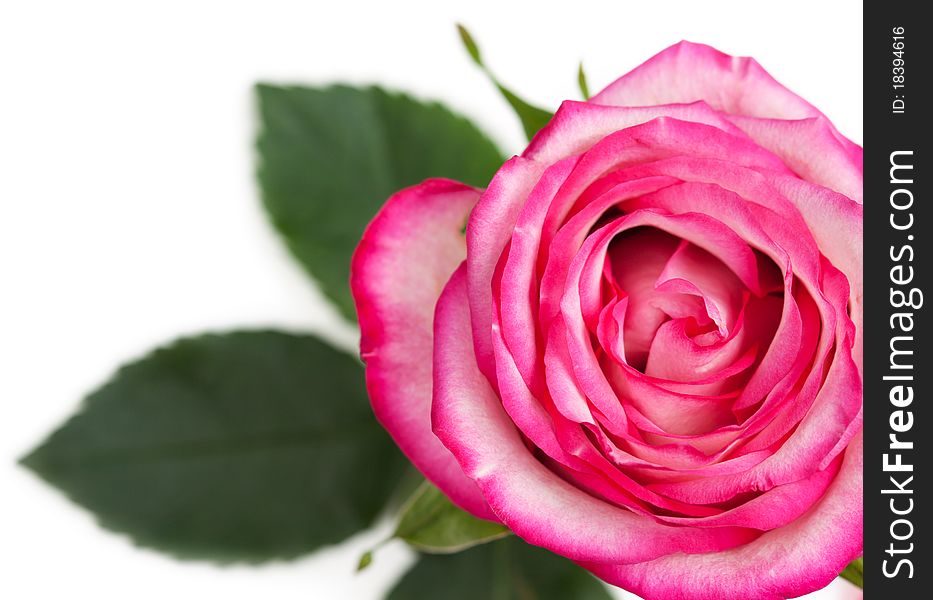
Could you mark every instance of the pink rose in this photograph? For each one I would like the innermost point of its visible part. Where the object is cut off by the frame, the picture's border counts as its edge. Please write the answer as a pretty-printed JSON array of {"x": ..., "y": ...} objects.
[{"x": 644, "y": 354}]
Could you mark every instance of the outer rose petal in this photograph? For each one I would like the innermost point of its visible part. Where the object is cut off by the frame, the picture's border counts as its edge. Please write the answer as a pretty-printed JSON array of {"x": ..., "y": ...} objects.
[
  {"x": 577, "y": 126},
  {"x": 783, "y": 563},
  {"x": 398, "y": 271},
  {"x": 687, "y": 72},
  {"x": 812, "y": 149}
]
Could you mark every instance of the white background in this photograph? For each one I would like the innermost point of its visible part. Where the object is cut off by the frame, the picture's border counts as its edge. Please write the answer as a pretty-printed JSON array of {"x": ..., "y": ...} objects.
[{"x": 128, "y": 212}]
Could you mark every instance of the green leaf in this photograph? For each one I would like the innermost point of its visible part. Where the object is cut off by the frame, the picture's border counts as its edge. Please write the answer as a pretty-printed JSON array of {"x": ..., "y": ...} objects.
[
  {"x": 366, "y": 559},
  {"x": 330, "y": 157},
  {"x": 532, "y": 117},
  {"x": 432, "y": 523},
  {"x": 854, "y": 572},
  {"x": 470, "y": 44},
  {"x": 504, "y": 570},
  {"x": 581, "y": 81},
  {"x": 246, "y": 446}
]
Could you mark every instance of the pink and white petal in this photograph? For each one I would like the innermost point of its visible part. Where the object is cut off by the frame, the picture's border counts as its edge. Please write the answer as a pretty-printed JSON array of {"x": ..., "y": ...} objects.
[
  {"x": 687, "y": 72},
  {"x": 516, "y": 309},
  {"x": 566, "y": 446},
  {"x": 786, "y": 562},
  {"x": 407, "y": 254},
  {"x": 656, "y": 140},
  {"x": 488, "y": 232},
  {"x": 837, "y": 227},
  {"x": 577, "y": 126},
  {"x": 533, "y": 501},
  {"x": 834, "y": 416},
  {"x": 772, "y": 509},
  {"x": 811, "y": 148},
  {"x": 570, "y": 237}
]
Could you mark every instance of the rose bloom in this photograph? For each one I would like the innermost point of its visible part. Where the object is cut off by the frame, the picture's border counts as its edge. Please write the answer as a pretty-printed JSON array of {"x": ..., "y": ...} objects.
[{"x": 644, "y": 353}]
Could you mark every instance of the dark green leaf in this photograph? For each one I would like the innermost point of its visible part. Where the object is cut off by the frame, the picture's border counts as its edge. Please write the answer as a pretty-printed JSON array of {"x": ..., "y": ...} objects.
[
  {"x": 854, "y": 572},
  {"x": 432, "y": 523},
  {"x": 581, "y": 80},
  {"x": 330, "y": 157},
  {"x": 245, "y": 446},
  {"x": 532, "y": 117},
  {"x": 508, "y": 569}
]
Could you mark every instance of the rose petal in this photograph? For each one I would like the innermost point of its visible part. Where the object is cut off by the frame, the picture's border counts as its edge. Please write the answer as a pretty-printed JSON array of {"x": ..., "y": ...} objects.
[
  {"x": 687, "y": 72},
  {"x": 783, "y": 563},
  {"x": 488, "y": 232},
  {"x": 577, "y": 126},
  {"x": 407, "y": 254},
  {"x": 811, "y": 148}
]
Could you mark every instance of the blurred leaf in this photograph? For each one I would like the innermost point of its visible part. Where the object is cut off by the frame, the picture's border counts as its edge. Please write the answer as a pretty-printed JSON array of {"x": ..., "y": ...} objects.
[
  {"x": 330, "y": 157},
  {"x": 581, "y": 80},
  {"x": 503, "y": 570},
  {"x": 470, "y": 44},
  {"x": 366, "y": 559},
  {"x": 854, "y": 572},
  {"x": 532, "y": 117},
  {"x": 432, "y": 523},
  {"x": 245, "y": 446}
]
